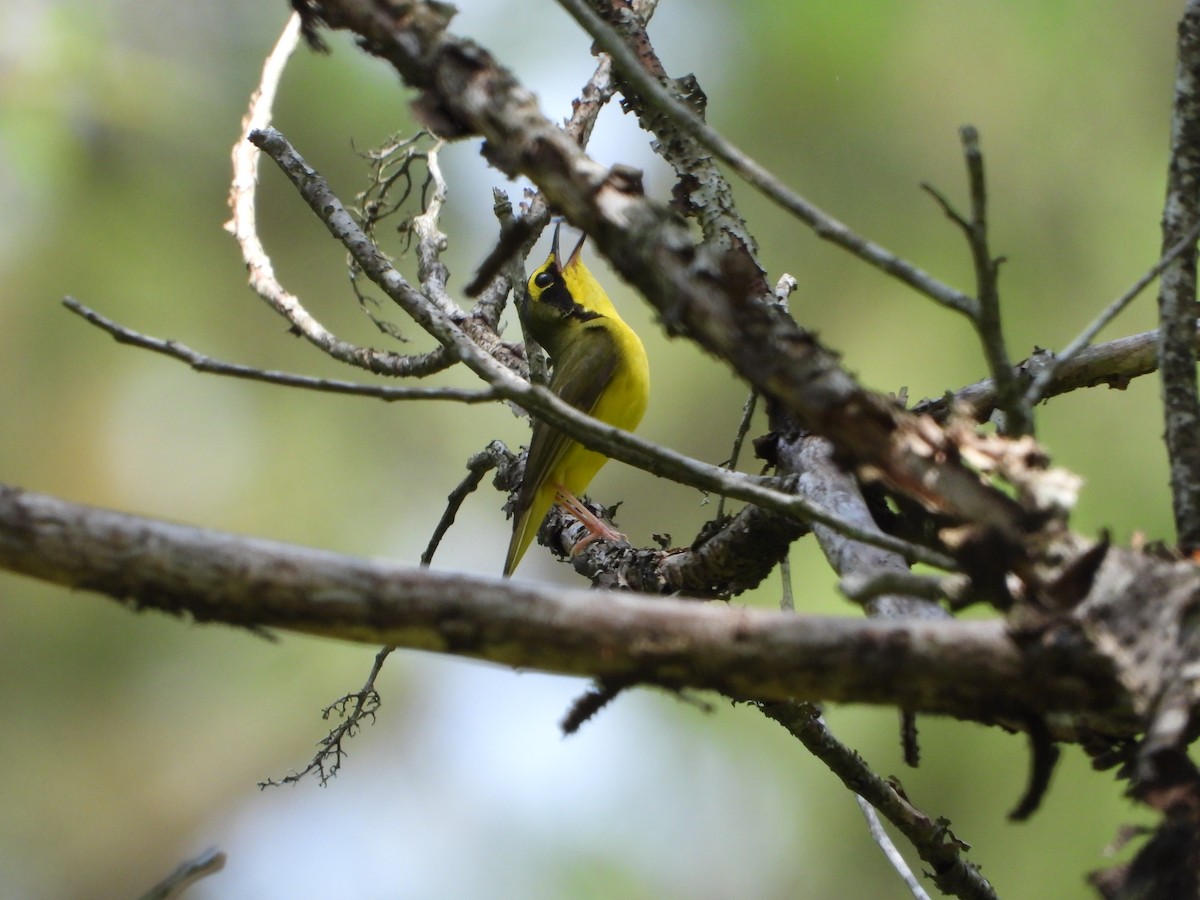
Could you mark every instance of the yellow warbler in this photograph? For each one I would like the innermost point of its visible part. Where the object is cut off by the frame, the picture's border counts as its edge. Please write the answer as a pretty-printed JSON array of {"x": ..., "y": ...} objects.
[{"x": 598, "y": 366}]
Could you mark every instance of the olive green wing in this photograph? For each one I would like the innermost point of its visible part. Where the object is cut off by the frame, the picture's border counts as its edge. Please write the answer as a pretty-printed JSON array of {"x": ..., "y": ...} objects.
[
  {"x": 581, "y": 375},
  {"x": 582, "y": 372}
]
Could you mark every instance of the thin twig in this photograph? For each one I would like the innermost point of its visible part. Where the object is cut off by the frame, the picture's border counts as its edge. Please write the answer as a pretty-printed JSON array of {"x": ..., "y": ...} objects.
[
  {"x": 986, "y": 318},
  {"x": 824, "y": 225},
  {"x": 1018, "y": 419},
  {"x": 202, "y": 363},
  {"x": 391, "y": 165},
  {"x": 890, "y": 851},
  {"x": 493, "y": 455},
  {"x": 1047, "y": 374},
  {"x": 738, "y": 439}
]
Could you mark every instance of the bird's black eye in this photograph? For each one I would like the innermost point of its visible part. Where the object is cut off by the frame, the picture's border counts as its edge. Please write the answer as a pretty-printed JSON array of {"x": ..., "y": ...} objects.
[{"x": 543, "y": 280}]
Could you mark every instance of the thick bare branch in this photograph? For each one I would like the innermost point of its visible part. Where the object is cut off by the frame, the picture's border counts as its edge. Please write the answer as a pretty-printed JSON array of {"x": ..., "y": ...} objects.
[
  {"x": 969, "y": 669},
  {"x": 1177, "y": 290}
]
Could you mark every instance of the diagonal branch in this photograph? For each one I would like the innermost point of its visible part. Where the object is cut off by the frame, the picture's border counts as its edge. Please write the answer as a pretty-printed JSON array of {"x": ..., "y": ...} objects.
[
  {"x": 932, "y": 839},
  {"x": 823, "y": 225},
  {"x": 1042, "y": 381},
  {"x": 701, "y": 190}
]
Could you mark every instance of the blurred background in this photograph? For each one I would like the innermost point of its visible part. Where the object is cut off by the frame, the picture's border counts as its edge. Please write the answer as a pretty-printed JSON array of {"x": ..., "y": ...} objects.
[{"x": 133, "y": 741}]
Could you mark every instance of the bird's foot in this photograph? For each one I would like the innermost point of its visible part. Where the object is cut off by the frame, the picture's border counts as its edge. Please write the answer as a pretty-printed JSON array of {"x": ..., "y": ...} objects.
[{"x": 596, "y": 527}]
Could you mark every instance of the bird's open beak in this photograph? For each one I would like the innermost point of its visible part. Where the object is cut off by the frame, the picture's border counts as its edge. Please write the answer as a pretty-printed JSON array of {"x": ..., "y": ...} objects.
[{"x": 573, "y": 258}]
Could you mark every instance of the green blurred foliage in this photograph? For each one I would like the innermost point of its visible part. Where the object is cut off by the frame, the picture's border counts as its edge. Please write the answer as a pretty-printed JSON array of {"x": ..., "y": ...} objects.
[{"x": 134, "y": 741}]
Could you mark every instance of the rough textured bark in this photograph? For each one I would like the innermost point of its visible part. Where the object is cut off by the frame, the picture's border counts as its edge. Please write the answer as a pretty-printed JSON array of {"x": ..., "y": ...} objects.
[
  {"x": 973, "y": 670},
  {"x": 1177, "y": 291}
]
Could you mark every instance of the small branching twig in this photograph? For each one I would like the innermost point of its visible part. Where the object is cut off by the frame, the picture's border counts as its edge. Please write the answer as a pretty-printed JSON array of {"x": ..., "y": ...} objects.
[
  {"x": 1113, "y": 364},
  {"x": 391, "y": 167},
  {"x": 390, "y": 185},
  {"x": 986, "y": 314},
  {"x": 327, "y": 761}
]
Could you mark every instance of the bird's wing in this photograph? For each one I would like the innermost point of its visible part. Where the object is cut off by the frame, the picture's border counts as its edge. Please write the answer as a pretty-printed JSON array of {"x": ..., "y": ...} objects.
[{"x": 580, "y": 377}]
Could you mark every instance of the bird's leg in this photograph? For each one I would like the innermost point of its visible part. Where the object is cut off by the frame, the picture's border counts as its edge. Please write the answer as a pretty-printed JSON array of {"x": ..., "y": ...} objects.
[{"x": 595, "y": 526}]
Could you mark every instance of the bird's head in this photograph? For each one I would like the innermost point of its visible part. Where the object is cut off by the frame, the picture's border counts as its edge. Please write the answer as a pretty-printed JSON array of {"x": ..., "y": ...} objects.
[{"x": 562, "y": 297}]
